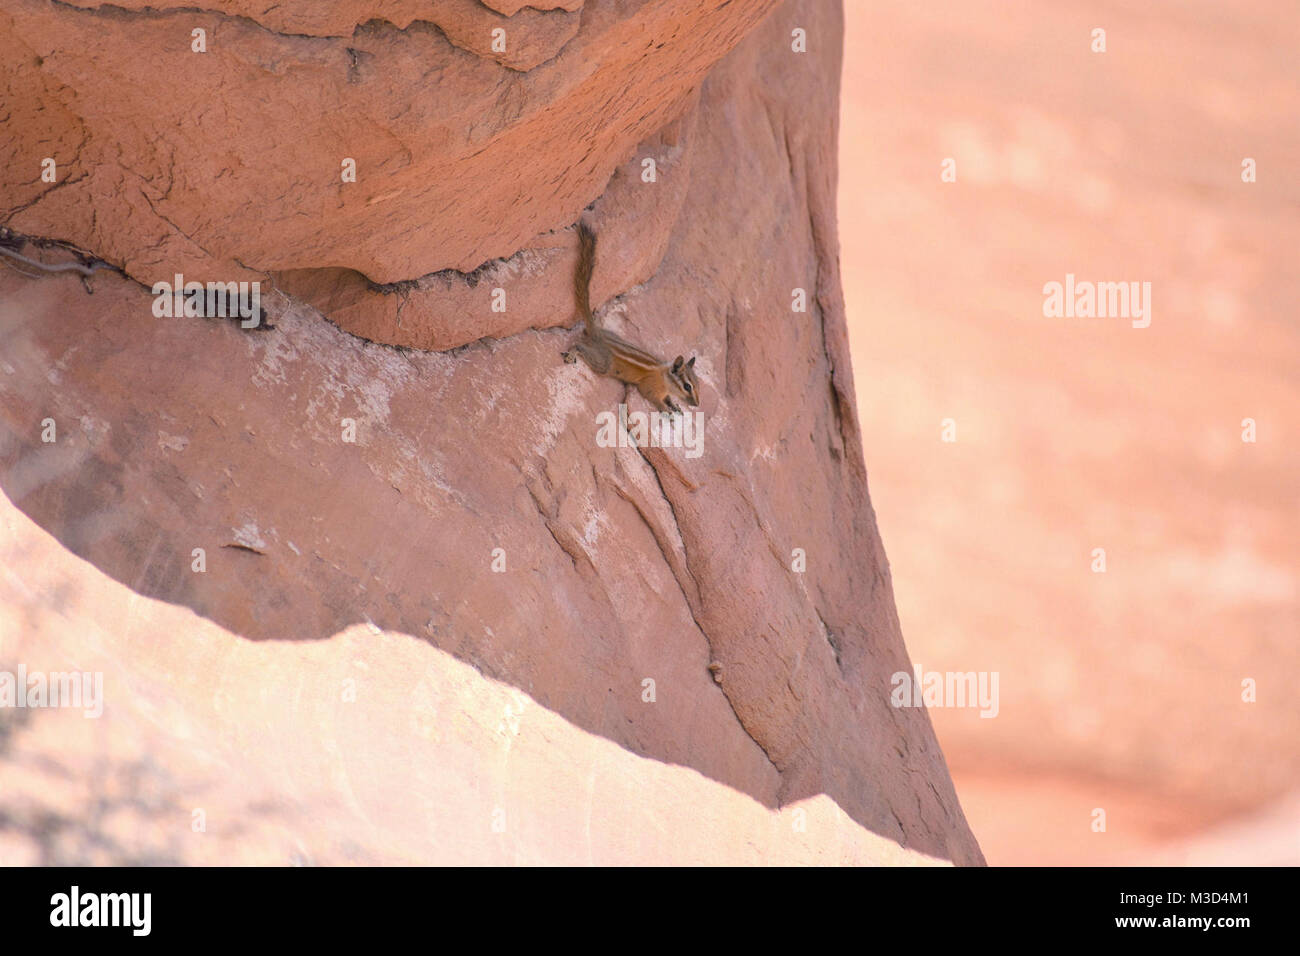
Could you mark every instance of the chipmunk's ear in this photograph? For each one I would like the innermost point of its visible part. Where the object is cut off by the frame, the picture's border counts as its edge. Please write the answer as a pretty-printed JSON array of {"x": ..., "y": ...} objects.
[
  {"x": 691, "y": 363},
  {"x": 677, "y": 364}
]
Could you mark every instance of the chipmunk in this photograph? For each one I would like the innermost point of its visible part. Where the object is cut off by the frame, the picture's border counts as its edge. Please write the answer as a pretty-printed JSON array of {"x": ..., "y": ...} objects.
[{"x": 607, "y": 354}]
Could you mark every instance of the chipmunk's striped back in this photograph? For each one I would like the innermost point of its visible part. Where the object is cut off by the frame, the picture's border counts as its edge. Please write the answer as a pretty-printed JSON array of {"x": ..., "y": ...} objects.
[{"x": 631, "y": 354}]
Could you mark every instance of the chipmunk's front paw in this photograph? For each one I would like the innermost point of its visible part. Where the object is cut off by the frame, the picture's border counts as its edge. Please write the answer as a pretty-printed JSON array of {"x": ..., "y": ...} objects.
[{"x": 569, "y": 357}]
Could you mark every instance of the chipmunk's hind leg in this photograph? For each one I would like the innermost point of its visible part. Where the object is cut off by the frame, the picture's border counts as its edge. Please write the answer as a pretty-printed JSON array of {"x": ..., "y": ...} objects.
[
  {"x": 570, "y": 355},
  {"x": 595, "y": 356}
]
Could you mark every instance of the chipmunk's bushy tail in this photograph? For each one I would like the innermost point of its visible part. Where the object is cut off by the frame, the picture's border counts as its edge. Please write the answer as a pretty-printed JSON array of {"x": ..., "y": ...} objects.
[{"x": 582, "y": 276}]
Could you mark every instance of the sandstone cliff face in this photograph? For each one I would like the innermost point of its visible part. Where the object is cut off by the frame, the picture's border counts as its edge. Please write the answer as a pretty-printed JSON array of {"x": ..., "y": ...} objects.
[{"x": 474, "y": 511}]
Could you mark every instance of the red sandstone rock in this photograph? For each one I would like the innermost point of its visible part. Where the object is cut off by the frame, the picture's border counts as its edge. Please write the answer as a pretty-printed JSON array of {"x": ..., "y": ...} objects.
[
  {"x": 236, "y": 167},
  {"x": 621, "y": 565}
]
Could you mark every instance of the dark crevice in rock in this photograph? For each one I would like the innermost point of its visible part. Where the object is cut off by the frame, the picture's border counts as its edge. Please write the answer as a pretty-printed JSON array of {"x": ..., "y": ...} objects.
[{"x": 690, "y": 606}]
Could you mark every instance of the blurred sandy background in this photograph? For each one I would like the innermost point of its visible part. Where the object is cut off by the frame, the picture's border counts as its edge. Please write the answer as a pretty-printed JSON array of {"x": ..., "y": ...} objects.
[{"x": 1119, "y": 690}]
